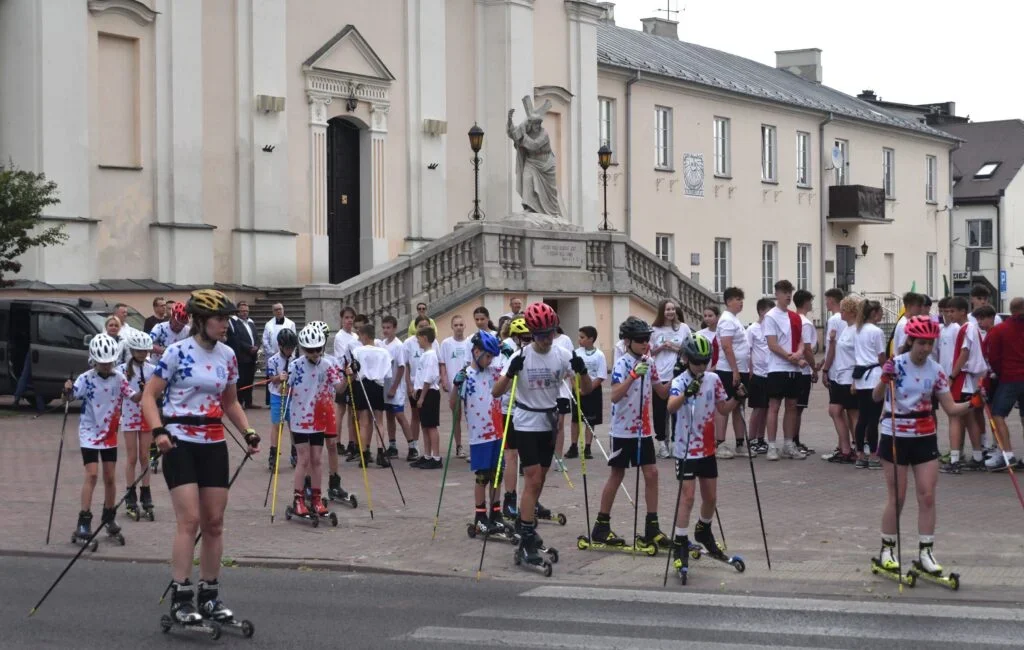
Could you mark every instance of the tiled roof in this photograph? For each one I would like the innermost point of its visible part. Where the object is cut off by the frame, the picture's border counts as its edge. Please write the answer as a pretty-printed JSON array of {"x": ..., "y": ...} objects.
[
  {"x": 140, "y": 286},
  {"x": 986, "y": 142},
  {"x": 668, "y": 57}
]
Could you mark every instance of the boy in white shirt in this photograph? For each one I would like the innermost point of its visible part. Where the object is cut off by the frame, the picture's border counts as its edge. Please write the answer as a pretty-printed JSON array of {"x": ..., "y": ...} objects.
[
  {"x": 592, "y": 404},
  {"x": 428, "y": 399},
  {"x": 913, "y": 305},
  {"x": 373, "y": 365},
  {"x": 783, "y": 330},
  {"x": 803, "y": 300},
  {"x": 968, "y": 369},
  {"x": 344, "y": 340},
  {"x": 733, "y": 367},
  {"x": 277, "y": 375},
  {"x": 453, "y": 357},
  {"x": 394, "y": 390},
  {"x": 413, "y": 353},
  {"x": 760, "y": 357}
]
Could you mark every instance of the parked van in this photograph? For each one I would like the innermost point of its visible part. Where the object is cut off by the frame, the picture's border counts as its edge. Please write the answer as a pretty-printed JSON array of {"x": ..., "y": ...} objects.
[{"x": 54, "y": 335}]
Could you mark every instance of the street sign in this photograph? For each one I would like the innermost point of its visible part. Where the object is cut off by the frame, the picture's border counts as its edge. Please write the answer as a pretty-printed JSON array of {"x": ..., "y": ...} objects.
[
  {"x": 961, "y": 275},
  {"x": 1002, "y": 281}
]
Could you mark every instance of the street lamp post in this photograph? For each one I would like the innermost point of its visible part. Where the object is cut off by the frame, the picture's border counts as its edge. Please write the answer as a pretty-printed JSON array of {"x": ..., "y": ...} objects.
[
  {"x": 604, "y": 158},
  {"x": 476, "y": 142}
]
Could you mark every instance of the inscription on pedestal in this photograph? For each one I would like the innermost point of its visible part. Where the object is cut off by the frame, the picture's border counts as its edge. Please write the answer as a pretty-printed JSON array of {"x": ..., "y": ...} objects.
[{"x": 558, "y": 253}]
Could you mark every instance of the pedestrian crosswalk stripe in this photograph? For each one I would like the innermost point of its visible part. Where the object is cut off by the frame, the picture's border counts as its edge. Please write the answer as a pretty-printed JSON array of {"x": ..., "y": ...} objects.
[
  {"x": 530, "y": 639},
  {"x": 667, "y": 597}
]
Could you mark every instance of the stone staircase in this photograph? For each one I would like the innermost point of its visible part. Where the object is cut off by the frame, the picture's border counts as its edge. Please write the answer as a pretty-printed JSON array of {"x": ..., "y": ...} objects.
[{"x": 262, "y": 309}]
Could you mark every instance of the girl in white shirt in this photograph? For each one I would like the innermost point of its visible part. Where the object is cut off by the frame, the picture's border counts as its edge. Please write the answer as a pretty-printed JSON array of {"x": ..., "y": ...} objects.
[
  {"x": 669, "y": 335},
  {"x": 137, "y": 435},
  {"x": 760, "y": 357},
  {"x": 869, "y": 355},
  {"x": 413, "y": 354},
  {"x": 838, "y": 372}
]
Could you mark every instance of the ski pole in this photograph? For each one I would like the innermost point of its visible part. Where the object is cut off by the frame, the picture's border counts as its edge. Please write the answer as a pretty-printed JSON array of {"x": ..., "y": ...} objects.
[
  {"x": 359, "y": 442},
  {"x": 447, "y": 459},
  {"x": 680, "y": 472},
  {"x": 564, "y": 471},
  {"x": 753, "y": 478},
  {"x": 277, "y": 450},
  {"x": 675, "y": 520},
  {"x": 261, "y": 382},
  {"x": 1002, "y": 449},
  {"x": 380, "y": 440},
  {"x": 86, "y": 544},
  {"x": 56, "y": 476},
  {"x": 604, "y": 452},
  {"x": 639, "y": 446},
  {"x": 200, "y": 535},
  {"x": 720, "y": 531},
  {"x": 501, "y": 457},
  {"x": 583, "y": 457},
  {"x": 896, "y": 485}
]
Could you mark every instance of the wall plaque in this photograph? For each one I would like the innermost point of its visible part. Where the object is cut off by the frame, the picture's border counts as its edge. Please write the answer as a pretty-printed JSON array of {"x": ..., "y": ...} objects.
[{"x": 546, "y": 252}]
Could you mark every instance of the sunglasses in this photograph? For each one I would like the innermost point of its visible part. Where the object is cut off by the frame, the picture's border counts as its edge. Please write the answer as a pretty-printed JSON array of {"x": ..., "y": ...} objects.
[
  {"x": 315, "y": 350},
  {"x": 543, "y": 335},
  {"x": 699, "y": 363},
  {"x": 641, "y": 339}
]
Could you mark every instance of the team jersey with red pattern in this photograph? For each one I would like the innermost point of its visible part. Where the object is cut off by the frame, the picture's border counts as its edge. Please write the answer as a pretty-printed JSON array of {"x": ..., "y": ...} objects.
[
  {"x": 131, "y": 413},
  {"x": 915, "y": 385},
  {"x": 101, "y": 408},
  {"x": 196, "y": 378},
  {"x": 483, "y": 411},
  {"x": 311, "y": 395},
  {"x": 702, "y": 433},
  {"x": 631, "y": 415}
]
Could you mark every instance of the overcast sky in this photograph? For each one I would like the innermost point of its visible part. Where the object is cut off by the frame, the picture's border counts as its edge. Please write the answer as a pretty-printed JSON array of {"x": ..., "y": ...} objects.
[{"x": 907, "y": 51}]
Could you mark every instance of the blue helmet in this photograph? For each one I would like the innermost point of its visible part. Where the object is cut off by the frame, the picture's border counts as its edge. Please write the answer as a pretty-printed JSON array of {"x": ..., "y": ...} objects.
[{"x": 486, "y": 342}]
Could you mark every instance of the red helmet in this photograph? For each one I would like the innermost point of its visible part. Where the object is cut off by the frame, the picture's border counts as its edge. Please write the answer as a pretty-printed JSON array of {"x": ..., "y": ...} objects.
[
  {"x": 180, "y": 312},
  {"x": 921, "y": 327},
  {"x": 540, "y": 317}
]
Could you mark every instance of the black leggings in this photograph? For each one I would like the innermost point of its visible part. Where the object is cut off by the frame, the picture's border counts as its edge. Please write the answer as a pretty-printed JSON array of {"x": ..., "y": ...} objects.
[
  {"x": 659, "y": 411},
  {"x": 867, "y": 420}
]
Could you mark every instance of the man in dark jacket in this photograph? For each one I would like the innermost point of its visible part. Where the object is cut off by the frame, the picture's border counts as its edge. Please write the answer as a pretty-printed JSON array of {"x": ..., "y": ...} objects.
[
  {"x": 242, "y": 339},
  {"x": 1005, "y": 343}
]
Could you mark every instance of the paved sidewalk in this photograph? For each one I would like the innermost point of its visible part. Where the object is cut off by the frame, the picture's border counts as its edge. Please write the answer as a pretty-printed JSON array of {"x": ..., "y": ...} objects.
[{"x": 822, "y": 520}]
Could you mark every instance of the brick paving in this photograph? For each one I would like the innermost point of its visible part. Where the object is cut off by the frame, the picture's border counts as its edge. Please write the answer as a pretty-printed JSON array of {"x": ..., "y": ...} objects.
[{"x": 822, "y": 520}]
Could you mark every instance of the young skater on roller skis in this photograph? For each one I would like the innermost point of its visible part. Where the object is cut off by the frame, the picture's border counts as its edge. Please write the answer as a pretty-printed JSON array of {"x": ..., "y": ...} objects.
[
  {"x": 518, "y": 337},
  {"x": 482, "y": 410},
  {"x": 696, "y": 396},
  {"x": 542, "y": 368},
  {"x": 634, "y": 379},
  {"x": 137, "y": 436},
  {"x": 277, "y": 375}
]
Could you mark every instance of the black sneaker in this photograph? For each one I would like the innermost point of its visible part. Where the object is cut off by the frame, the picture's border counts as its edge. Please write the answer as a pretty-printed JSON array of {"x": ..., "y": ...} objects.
[
  {"x": 419, "y": 462},
  {"x": 433, "y": 463},
  {"x": 413, "y": 455},
  {"x": 759, "y": 446},
  {"x": 392, "y": 451},
  {"x": 587, "y": 453},
  {"x": 574, "y": 452}
]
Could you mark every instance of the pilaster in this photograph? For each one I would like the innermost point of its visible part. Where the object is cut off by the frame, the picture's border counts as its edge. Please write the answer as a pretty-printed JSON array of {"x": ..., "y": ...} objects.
[
  {"x": 583, "y": 192},
  {"x": 320, "y": 257}
]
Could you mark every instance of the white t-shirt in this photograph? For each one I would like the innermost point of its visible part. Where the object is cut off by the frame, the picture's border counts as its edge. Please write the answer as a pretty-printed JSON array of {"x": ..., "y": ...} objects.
[
  {"x": 101, "y": 408},
  {"x": 915, "y": 385},
  {"x": 976, "y": 367},
  {"x": 164, "y": 336},
  {"x": 397, "y": 351},
  {"x": 702, "y": 432},
  {"x": 196, "y": 378},
  {"x": 665, "y": 360},
  {"x": 311, "y": 389},
  {"x": 428, "y": 371},
  {"x": 868, "y": 343},
  {"x": 776, "y": 323},
  {"x": 974, "y": 321},
  {"x": 131, "y": 413},
  {"x": 835, "y": 324},
  {"x": 947, "y": 347},
  {"x": 845, "y": 357},
  {"x": 344, "y": 343},
  {"x": 899, "y": 336},
  {"x": 597, "y": 366},
  {"x": 483, "y": 412},
  {"x": 631, "y": 415},
  {"x": 374, "y": 363},
  {"x": 275, "y": 366},
  {"x": 730, "y": 327},
  {"x": 808, "y": 336},
  {"x": 270, "y": 331},
  {"x": 760, "y": 355},
  {"x": 455, "y": 355},
  {"x": 563, "y": 341},
  {"x": 499, "y": 363},
  {"x": 414, "y": 356},
  {"x": 619, "y": 349},
  {"x": 539, "y": 386}
]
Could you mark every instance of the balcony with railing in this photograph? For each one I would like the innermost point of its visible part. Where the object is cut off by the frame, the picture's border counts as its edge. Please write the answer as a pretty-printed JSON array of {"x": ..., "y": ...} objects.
[{"x": 856, "y": 204}]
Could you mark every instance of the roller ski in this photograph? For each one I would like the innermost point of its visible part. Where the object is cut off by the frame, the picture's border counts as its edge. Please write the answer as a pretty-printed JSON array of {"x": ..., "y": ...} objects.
[
  {"x": 213, "y": 610},
  {"x": 653, "y": 537},
  {"x": 510, "y": 507},
  {"x": 709, "y": 547},
  {"x": 543, "y": 514},
  {"x": 528, "y": 553},
  {"x": 299, "y": 510},
  {"x": 131, "y": 505},
  {"x": 886, "y": 565},
  {"x": 184, "y": 614},
  {"x": 154, "y": 459},
  {"x": 320, "y": 509},
  {"x": 82, "y": 534},
  {"x": 926, "y": 568},
  {"x": 110, "y": 526},
  {"x": 336, "y": 493},
  {"x": 146, "y": 495},
  {"x": 603, "y": 539},
  {"x": 493, "y": 526}
]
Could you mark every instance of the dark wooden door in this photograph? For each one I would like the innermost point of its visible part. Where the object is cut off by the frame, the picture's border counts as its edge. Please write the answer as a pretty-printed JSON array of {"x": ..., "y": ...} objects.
[
  {"x": 846, "y": 260},
  {"x": 343, "y": 199}
]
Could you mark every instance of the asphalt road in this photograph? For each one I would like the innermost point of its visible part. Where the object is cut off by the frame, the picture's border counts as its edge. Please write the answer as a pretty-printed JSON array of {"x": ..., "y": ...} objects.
[{"x": 114, "y": 605}]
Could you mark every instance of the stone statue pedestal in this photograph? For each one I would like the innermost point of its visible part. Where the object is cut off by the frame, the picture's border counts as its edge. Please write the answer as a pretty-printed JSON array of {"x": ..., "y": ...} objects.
[{"x": 538, "y": 221}]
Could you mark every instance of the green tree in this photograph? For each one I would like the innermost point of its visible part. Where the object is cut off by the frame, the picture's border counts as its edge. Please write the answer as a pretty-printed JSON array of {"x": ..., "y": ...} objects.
[{"x": 23, "y": 197}]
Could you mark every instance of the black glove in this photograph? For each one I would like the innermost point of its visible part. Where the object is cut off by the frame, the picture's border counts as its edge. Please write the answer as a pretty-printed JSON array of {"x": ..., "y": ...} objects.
[
  {"x": 354, "y": 365},
  {"x": 578, "y": 366},
  {"x": 507, "y": 350},
  {"x": 252, "y": 438},
  {"x": 692, "y": 389},
  {"x": 514, "y": 366}
]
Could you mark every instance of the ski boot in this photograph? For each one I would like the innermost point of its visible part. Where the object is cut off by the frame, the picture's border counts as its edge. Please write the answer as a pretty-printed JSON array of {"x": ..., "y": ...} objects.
[
  {"x": 681, "y": 557},
  {"x": 336, "y": 493},
  {"x": 709, "y": 546},
  {"x": 392, "y": 449},
  {"x": 319, "y": 508},
  {"x": 527, "y": 554},
  {"x": 497, "y": 523},
  {"x": 154, "y": 458},
  {"x": 294, "y": 458},
  {"x": 927, "y": 568},
  {"x": 382, "y": 459},
  {"x": 113, "y": 530},
  {"x": 83, "y": 531},
  {"x": 574, "y": 451},
  {"x": 307, "y": 490},
  {"x": 271, "y": 458},
  {"x": 212, "y": 609},
  {"x": 652, "y": 535},
  {"x": 351, "y": 453},
  {"x": 480, "y": 526},
  {"x": 544, "y": 514},
  {"x": 603, "y": 539},
  {"x": 147, "y": 503},
  {"x": 299, "y": 509},
  {"x": 587, "y": 454},
  {"x": 184, "y": 613},
  {"x": 131, "y": 504},
  {"x": 509, "y": 506},
  {"x": 887, "y": 565}
]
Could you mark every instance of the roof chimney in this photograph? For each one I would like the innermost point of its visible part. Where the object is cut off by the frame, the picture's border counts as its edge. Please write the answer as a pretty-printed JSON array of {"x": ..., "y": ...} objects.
[
  {"x": 804, "y": 63},
  {"x": 609, "y": 12},
  {"x": 661, "y": 27},
  {"x": 868, "y": 96}
]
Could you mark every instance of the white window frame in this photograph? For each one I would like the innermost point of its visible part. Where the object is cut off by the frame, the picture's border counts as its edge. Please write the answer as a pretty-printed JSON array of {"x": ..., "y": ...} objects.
[
  {"x": 803, "y": 266},
  {"x": 664, "y": 247},
  {"x": 889, "y": 172},
  {"x": 931, "y": 174},
  {"x": 769, "y": 154},
  {"x": 606, "y": 123},
  {"x": 980, "y": 224},
  {"x": 663, "y": 138},
  {"x": 803, "y": 159},
  {"x": 723, "y": 156},
  {"x": 769, "y": 267},
  {"x": 842, "y": 173},
  {"x": 723, "y": 264},
  {"x": 931, "y": 264}
]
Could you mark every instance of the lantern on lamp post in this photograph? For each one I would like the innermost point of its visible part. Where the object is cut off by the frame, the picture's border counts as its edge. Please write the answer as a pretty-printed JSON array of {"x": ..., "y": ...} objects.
[
  {"x": 604, "y": 158},
  {"x": 476, "y": 142}
]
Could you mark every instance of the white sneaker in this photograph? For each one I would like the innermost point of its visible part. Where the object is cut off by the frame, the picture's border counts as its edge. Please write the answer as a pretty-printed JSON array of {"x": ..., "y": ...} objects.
[
  {"x": 998, "y": 462},
  {"x": 725, "y": 451},
  {"x": 773, "y": 452},
  {"x": 789, "y": 450},
  {"x": 663, "y": 449}
]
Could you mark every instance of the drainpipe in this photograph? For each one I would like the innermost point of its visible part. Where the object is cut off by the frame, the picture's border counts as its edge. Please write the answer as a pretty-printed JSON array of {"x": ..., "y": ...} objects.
[
  {"x": 949, "y": 240},
  {"x": 822, "y": 216},
  {"x": 629, "y": 153},
  {"x": 999, "y": 248}
]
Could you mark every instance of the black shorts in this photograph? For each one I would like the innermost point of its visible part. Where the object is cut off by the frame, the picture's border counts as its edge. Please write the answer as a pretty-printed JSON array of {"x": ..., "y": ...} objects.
[
  {"x": 623, "y": 452},
  {"x": 730, "y": 390},
  {"x": 909, "y": 451},
  {"x": 692, "y": 468},
  {"x": 964, "y": 398},
  {"x": 804, "y": 397},
  {"x": 195, "y": 462},
  {"x": 757, "y": 392},
  {"x": 373, "y": 391},
  {"x": 784, "y": 385},
  {"x": 511, "y": 438},
  {"x": 430, "y": 414},
  {"x": 592, "y": 405},
  {"x": 563, "y": 405},
  {"x": 843, "y": 395},
  {"x": 90, "y": 456},
  {"x": 535, "y": 448},
  {"x": 312, "y": 439},
  {"x": 343, "y": 398}
]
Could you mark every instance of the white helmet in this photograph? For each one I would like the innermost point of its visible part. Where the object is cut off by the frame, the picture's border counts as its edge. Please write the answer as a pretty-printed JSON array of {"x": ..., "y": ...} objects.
[
  {"x": 312, "y": 336},
  {"x": 324, "y": 327},
  {"x": 103, "y": 348},
  {"x": 139, "y": 340}
]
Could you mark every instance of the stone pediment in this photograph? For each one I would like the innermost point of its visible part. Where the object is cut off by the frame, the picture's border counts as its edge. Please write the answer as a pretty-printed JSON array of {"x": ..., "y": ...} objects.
[{"x": 347, "y": 54}]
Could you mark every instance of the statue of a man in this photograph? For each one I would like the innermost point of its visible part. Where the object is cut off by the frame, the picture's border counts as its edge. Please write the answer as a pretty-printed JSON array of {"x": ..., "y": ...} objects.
[{"x": 535, "y": 162}]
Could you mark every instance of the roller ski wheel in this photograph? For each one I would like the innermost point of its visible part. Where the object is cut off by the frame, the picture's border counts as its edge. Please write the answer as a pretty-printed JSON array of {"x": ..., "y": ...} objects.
[
  {"x": 243, "y": 627},
  {"x": 133, "y": 512},
  {"x": 909, "y": 578},
  {"x": 93, "y": 546},
  {"x": 345, "y": 497},
  {"x": 117, "y": 537},
  {"x": 696, "y": 550},
  {"x": 951, "y": 581},
  {"x": 312, "y": 518},
  {"x": 212, "y": 628},
  {"x": 735, "y": 561},
  {"x": 538, "y": 564},
  {"x": 559, "y": 518},
  {"x": 149, "y": 514},
  {"x": 584, "y": 543}
]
